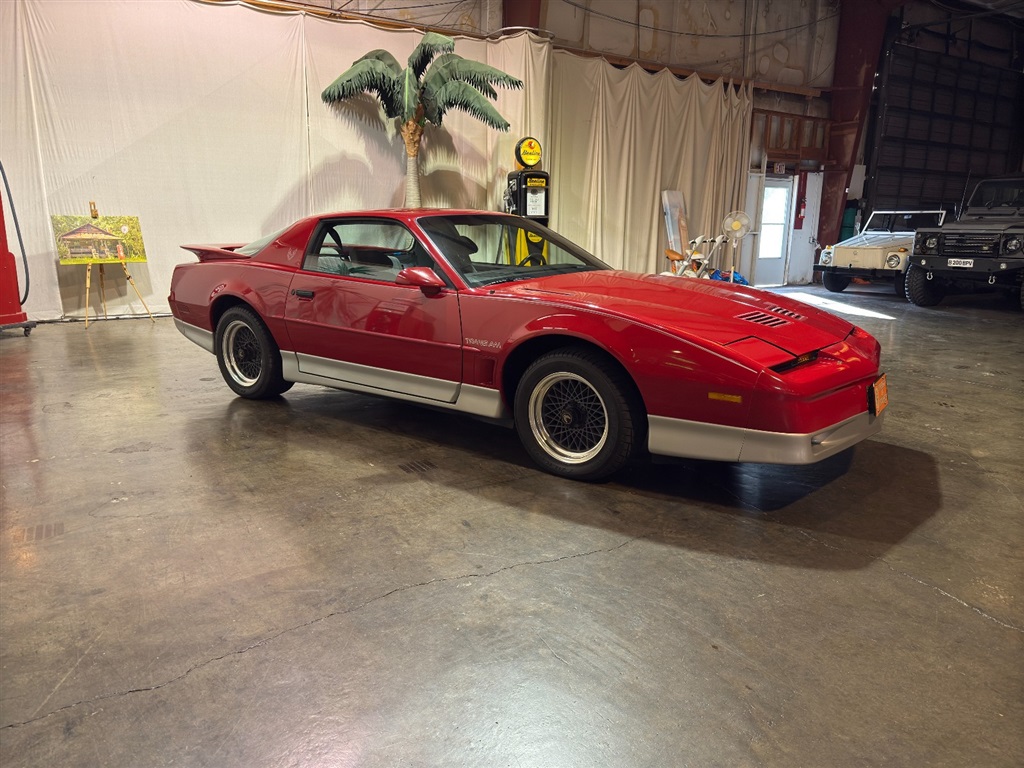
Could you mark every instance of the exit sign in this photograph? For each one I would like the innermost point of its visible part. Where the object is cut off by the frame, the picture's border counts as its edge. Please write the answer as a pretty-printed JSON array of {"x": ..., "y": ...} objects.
[{"x": 779, "y": 168}]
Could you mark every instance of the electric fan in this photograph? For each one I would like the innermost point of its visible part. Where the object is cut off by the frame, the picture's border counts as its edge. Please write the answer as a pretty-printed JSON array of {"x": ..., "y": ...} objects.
[{"x": 736, "y": 226}]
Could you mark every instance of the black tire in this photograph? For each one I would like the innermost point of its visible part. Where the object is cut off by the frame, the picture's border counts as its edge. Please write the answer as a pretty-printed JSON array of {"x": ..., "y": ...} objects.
[
  {"x": 835, "y": 282},
  {"x": 248, "y": 356},
  {"x": 1022, "y": 296},
  {"x": 577, "y": 415},
  {"x": 900, "y": 284},
  {"x": 922, "y": 291}
]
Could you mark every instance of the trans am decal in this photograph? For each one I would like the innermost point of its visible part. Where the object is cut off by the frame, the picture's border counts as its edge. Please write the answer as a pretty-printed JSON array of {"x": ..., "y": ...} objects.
[{"x": 485, "y": 343}]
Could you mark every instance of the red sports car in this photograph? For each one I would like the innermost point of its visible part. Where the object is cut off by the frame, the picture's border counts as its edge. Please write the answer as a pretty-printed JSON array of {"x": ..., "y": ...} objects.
[{"x": 499, "y": 317}]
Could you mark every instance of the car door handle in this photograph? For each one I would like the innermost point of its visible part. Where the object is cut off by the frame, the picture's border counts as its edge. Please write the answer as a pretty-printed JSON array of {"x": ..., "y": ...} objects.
[{"x": 302, "y": 294}]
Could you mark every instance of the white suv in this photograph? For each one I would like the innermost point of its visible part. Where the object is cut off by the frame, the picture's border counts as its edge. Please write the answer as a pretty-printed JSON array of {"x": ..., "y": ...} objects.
[{"x": 879, "y": 252}]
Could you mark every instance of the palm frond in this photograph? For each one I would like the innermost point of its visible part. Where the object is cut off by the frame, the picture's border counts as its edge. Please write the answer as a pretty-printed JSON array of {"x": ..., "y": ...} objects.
[
  {"x": 431, "y": 45},
  {"x": 367, "y": 76},
  {"x": 464, "y": 97},
  {"x": 446, "y": 69},
  {"x": 382, "y": 56},
  {"x": 409, "y": 99},
  {"x": 451, "y": 66}
]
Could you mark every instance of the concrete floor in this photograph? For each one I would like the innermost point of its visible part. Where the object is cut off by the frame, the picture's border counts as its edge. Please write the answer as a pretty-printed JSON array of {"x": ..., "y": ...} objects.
[{"x": 191, "y": 579}]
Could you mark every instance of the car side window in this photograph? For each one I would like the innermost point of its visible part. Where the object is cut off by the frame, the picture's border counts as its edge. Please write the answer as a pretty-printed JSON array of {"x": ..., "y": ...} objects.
[
  {"x": 327, "y": 253},
  {"x": 374, "y": 250}
]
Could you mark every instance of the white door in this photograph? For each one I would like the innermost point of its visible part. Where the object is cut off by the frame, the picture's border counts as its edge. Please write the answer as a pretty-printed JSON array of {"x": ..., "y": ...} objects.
[
  {"x": 773, "y": 231},
  {"x": 803, "y": 245}
]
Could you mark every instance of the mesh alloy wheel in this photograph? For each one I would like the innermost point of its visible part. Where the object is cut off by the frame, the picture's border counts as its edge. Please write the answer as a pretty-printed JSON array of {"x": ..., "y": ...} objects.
[
  {"x": 568, "y": 418},
  {"x": 242, "y": 353},
  {"x": 247, "y": 355}
]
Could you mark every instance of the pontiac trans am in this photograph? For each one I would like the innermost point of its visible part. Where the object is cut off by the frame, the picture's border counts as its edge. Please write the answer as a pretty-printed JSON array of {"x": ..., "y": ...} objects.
[{"x": 499, "y": 317}]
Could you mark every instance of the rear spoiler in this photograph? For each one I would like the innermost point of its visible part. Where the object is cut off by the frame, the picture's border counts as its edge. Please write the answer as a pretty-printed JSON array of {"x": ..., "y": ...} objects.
[{"x": 216, "y": 252}]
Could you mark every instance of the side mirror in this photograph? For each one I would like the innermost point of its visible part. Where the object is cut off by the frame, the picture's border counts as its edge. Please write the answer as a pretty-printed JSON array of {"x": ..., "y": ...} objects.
[{"x": 424, "y": 277}]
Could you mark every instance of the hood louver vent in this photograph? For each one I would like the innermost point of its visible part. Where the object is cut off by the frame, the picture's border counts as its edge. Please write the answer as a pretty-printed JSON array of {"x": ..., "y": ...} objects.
[
  {"x": 763, "y": 318},
  {"x": 788, "y": 313}
]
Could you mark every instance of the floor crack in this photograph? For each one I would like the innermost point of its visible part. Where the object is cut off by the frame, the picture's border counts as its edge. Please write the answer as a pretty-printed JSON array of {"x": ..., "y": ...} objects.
[
  {"x": 922, "y": 582},
  {"x": 270, "y": 638}
]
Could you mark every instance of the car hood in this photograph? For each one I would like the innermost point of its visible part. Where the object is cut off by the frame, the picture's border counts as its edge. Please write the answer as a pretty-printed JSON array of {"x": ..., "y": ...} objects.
[
  {"x": 708, "y": 311},
  {"x": 991, "y": 223}
]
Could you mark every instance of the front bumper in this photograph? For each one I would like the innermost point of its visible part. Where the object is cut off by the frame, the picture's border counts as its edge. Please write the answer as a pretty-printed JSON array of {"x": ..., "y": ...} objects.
[
  {"x": 980, "y": 266},
  {"x": 697, "y": 440},
  {"x": 859, "y": 271}
]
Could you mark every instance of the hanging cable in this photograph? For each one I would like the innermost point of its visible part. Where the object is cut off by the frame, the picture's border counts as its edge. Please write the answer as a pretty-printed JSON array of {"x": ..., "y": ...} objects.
[
  {"x": 610, "y": 17},
  {"x": 17, "y": 228}
]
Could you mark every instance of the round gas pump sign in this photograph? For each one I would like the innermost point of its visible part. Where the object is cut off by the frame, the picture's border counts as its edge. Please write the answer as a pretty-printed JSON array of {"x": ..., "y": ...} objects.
[{"x": 528, "y": 152}]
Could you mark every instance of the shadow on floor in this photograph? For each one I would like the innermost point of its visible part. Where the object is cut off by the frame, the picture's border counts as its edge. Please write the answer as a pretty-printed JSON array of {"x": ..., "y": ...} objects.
[{"x": 855, "y": 506}]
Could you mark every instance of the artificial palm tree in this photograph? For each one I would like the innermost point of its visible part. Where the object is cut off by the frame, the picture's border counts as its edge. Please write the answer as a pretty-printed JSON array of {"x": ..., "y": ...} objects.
[{"x": 422, "y": 93}]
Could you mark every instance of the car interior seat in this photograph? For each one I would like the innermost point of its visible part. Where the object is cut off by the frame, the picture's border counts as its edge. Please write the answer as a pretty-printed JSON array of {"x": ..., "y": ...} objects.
[{"x": 456, "y": 247}]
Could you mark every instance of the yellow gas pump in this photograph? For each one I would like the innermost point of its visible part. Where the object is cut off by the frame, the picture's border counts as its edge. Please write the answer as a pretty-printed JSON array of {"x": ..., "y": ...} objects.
[{"x": 527, "y": 195}]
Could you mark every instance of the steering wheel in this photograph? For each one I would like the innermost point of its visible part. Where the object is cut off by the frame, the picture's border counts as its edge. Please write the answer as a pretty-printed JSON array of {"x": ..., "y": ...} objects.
[{"x": 532, "y": 260}]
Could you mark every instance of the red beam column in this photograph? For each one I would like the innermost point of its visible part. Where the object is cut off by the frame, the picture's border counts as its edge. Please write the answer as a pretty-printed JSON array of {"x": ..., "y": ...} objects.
[
  {"x": 521, "y": 13},
  {"x": 862, "y": 25}
]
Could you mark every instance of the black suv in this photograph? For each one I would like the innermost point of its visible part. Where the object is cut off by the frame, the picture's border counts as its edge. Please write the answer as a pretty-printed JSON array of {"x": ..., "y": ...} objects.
[{"x": 983, "y": 248}]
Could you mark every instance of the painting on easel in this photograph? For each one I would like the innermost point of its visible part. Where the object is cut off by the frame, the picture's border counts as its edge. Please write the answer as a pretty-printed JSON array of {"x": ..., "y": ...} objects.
[{"x": 100, "y": 240}]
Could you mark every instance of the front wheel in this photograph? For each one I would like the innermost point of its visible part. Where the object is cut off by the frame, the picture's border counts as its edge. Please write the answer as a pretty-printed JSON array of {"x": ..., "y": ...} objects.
[
  {"x": 835, "y": 282},
  {"x": 900, "y": 284},
  {"x": 577, "y": 414},
  {"x": 922, "y": 291},
  {"x": 248, "y": 356}
]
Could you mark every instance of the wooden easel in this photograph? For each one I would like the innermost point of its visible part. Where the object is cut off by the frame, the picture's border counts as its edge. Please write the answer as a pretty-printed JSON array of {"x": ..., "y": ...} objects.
[{"x": 103, "y": 292}]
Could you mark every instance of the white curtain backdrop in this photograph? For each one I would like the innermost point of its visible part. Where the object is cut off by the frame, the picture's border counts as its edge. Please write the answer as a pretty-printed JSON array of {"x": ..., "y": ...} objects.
[
  {"x": 205, "y": 122},
  {"x": 189, "y": 116},
  {"x": 622, "y": 136}
]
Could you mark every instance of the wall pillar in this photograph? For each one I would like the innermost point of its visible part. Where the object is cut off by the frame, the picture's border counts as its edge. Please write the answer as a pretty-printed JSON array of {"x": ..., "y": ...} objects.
[
  {"x": 862, "y": 26},
  {"x": 521, "y": 13}
]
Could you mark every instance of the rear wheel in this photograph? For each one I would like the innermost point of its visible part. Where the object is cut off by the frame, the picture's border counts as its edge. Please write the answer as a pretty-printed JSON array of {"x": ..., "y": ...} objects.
[
  {"x": 577, "y": 414},
  {"x": 835, "y": 282},
  {"x": 249, "y": 359},
  {"x": 922, "y": 291}
]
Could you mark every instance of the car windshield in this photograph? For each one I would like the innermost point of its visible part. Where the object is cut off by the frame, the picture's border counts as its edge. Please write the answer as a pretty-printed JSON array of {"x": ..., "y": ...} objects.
[
  {"x": 998, "y": 193},
  {"x": 902, "y": 221},
  {"x": 497, "y": 248}
]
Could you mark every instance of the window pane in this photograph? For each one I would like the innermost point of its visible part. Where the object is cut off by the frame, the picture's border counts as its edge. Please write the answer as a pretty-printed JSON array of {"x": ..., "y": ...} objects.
[
  {"x": 776, "y": 201},
  {"x": 772, "y": 238}
]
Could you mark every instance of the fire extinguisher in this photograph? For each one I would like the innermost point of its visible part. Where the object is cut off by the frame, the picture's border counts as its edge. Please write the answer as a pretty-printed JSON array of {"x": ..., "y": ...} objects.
[{"x": 801, "y": 197}]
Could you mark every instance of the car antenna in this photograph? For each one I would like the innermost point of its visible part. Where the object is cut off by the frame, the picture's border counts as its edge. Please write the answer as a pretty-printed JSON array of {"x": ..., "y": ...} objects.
[{"x": 963, "y": 200}]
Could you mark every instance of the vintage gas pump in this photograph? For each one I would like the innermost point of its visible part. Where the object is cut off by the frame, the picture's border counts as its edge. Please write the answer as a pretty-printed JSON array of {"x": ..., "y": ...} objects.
[
  {"x": 11, "y": 314},
  {"x": 527, "y": 195},
  {"x": 527, "y": 192}
]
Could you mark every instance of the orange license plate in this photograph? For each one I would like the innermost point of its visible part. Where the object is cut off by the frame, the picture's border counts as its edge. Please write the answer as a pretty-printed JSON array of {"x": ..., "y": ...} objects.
[{"x": 878, "y": 395}]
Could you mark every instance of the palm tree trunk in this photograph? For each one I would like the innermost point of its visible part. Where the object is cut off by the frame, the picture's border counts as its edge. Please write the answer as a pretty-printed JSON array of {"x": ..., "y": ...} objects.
[
  {"x": 412, "y": 132},
  {"x": 412, "y": 181}
]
